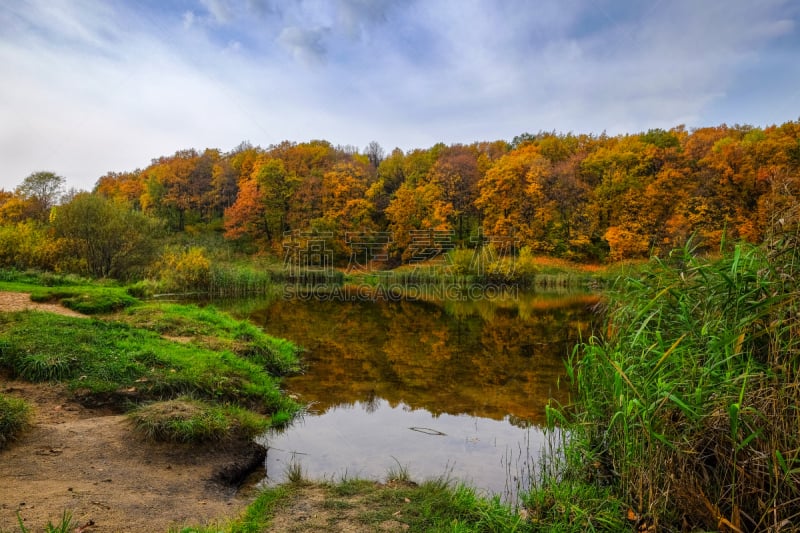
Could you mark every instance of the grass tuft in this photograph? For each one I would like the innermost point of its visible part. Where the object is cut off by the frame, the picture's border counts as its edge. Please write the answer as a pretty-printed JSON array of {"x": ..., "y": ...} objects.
[
  {"x": 15, "y": 416},
  {"x": 86, "y": 300},
  {"x": 294, "y": 472},
  {"x": 65, "y": 525},
  {"x": 187, "y": 420},
  {"x": 399, "y": 474}
]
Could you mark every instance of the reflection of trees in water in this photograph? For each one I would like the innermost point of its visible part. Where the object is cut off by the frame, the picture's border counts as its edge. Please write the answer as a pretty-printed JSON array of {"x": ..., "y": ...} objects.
[
  {"x": 523, "y": 423},
  {"x": 373, "y": 402},
  {"x": 418, "y": 354}
]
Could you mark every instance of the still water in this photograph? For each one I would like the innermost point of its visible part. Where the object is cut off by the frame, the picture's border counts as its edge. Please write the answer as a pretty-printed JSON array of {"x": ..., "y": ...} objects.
[{"x": 453, "y": 388}]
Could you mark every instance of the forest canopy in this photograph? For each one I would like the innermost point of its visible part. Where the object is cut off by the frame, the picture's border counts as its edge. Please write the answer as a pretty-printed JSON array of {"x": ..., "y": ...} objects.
[{"x": 581, "y": 197}]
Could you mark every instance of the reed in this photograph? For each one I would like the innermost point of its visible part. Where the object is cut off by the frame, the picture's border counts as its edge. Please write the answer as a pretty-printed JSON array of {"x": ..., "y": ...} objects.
[
  {"x": 688, "y": 400},
  {"x": 238, "y": 281}
]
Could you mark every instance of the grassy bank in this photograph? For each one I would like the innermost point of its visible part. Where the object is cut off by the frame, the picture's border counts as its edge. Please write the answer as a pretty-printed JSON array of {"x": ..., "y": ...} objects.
[
  {"x": 398, "y": 504},
  {"x": 688, "y": 400},
  {"x": 220, "y": 374},
  {"x": 461, "y": 268}
]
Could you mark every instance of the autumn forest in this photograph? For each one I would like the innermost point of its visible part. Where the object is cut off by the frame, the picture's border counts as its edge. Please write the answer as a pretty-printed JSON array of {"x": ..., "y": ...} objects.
[{"x": 585, "y": 198}]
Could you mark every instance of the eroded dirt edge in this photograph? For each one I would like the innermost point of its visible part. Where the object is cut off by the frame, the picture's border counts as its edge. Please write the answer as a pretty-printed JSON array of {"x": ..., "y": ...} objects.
[{"x": 89, "y": 462}]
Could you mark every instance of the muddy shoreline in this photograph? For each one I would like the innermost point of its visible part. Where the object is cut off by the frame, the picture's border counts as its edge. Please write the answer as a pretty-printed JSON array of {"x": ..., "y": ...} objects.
[{"x": 90, "y": 463}]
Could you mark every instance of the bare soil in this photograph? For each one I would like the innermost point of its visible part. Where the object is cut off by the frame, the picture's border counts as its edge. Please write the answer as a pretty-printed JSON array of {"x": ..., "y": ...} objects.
[
  {"x": 90, "y": 463},
  {"x": 21, "y": 301},
  {"x": 312, "y": 509}
]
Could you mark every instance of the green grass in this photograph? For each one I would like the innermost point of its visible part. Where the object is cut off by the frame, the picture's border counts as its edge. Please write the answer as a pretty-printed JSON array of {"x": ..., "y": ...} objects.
[
  {"x": 214, "y": 329},
  {"x": 119, "y": 360},
  {"x": 79, "y": 294},
  {"x": 257, "y": 516},
  {"x": 186, "y": 419},
  {"x": 87, "y": 300},
  {"x": 65, "y": 525},
  {"x": 433, "y": 505},
  {"x": 568, "y": 493},
  {"x": 688, "y": 400},
  {"x": 15, "y": 415},
  {"x": 26, "y": 278}
]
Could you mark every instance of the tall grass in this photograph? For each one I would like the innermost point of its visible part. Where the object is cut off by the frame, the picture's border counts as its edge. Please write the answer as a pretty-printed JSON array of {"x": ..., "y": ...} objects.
[
  {"x": 238, "y": 281},
  {"x": 65, "y": 525},
  {"x": 689, "y": 401}
]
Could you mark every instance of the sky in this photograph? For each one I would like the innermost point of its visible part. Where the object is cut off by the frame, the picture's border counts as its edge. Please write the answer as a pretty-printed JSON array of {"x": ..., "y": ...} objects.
[{"x": 88, "y": 87}]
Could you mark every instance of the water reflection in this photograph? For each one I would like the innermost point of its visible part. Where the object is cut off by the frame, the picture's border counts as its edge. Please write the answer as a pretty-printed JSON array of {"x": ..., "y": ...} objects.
[
  {"x": 370, "y": 440},
  {"x": 477, "y": 358},
  {"x": 479, "y": 372}
]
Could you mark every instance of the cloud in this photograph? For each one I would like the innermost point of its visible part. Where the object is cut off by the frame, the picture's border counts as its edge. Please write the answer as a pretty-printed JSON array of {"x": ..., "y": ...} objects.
[
  {"x": 89, "y": 87},
  {"x": 307, "y": 45},
  {"x": 188, "y": 19},
  {"x": 357, "y": 16},
  {"x": 220, "y": 10}
]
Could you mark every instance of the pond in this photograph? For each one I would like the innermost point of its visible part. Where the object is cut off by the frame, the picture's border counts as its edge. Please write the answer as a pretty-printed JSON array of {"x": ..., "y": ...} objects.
[{"x": 435, "y": 388}]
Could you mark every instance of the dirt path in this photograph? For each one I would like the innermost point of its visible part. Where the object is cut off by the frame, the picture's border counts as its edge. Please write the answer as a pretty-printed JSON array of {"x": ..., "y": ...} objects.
[
  {"x": 21, "y": 301},
  {"x": 90, "y": 463}
]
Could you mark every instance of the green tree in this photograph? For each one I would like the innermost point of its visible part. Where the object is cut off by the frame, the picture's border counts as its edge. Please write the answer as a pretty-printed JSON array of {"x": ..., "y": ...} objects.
[
  {"x": 104, "y": 238},
  {"x": 42, "y": 189}
]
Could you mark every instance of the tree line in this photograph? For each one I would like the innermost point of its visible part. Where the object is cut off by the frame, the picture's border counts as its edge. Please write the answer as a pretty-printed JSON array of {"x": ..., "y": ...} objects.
[{"x": 588, "y": 198}]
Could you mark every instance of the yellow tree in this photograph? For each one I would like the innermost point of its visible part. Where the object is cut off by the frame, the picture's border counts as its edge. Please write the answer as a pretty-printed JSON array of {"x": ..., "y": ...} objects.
[
  {"x": 277, "y": 187},
  {"x": 416, "y": 208},
  {"x": 344, "y": 190},
  {"x": 511, "y": 195},
  {"x": 121, "y": 186}
]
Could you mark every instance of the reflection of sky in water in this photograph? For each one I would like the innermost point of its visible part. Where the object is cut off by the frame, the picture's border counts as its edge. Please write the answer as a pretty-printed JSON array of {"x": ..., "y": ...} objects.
[
  {"x": 349, "y": 441},
  {"x": 376, "y": 369}
]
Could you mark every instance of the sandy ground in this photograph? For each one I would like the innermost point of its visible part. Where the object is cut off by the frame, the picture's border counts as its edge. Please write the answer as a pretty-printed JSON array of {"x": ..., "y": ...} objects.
[
  {"x": 20, "y": 301},
  {"x": 90, "y": 463}
]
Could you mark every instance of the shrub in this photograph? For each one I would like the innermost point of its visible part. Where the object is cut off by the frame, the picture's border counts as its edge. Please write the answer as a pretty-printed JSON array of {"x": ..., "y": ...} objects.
[{"x": 184, "y": 270}]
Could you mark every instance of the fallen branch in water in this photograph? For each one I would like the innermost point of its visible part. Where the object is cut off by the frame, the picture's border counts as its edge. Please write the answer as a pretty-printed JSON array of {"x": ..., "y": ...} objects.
[{"x": 428, "y": 431}]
